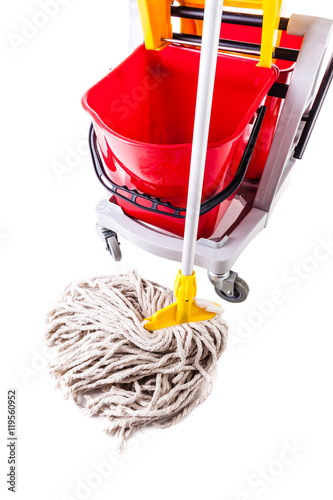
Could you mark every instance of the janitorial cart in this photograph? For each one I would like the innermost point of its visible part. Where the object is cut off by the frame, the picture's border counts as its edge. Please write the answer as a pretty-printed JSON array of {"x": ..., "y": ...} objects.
[{"x": 272, "y": 76}]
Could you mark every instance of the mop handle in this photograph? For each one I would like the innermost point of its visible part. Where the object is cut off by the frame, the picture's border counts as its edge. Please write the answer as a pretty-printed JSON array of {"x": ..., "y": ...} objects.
[{"x": 206, "y": 81}]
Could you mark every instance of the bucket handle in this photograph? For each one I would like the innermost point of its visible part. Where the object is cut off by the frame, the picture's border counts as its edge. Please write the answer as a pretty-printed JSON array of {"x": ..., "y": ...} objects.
[{"x": 157, "y": 205}]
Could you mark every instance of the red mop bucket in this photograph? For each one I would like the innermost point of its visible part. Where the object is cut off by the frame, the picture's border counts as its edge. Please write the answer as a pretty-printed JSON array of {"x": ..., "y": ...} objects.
[
  {"x": 251, "y": 34},
  {"x": 143, "y": 115},
  {"x": 274, "y": 104}
]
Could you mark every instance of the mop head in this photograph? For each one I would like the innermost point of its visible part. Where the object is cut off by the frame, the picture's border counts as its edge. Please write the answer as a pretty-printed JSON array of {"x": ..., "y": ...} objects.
[{"x": 110, "y": 365}]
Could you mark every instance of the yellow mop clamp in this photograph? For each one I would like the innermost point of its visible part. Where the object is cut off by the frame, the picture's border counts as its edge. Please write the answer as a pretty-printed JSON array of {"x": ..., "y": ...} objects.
[{"x": 185, "y": 309}]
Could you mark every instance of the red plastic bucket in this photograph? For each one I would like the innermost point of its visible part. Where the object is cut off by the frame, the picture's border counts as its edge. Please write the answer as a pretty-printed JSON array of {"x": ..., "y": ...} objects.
[
  {"x": 274, "y": 105},
  {"x": 143, "y": 115}
]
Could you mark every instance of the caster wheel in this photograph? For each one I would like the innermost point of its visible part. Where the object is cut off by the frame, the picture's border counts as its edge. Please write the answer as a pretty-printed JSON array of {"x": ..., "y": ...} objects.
[
  {"x": 113, "y": 247},
  {"x": 241, "y": 292}
]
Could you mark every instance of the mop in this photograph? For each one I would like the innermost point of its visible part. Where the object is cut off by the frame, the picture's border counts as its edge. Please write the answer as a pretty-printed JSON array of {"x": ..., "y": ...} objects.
[{"x": 126, "y": 350}]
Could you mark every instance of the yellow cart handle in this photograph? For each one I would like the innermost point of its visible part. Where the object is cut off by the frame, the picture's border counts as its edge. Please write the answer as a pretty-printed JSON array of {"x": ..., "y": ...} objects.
[
  {"x": 156, "y": 22},
  {"x": 271, "y": 19}
]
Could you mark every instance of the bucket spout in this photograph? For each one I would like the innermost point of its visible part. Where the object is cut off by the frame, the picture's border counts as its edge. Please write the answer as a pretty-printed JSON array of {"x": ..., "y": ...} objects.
[{"x": 186, "y": 309}]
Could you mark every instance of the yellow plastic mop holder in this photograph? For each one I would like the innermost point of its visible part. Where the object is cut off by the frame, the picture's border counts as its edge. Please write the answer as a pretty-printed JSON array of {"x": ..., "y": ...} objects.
[
  {"x": 156, "y": 22},
  {"x": 271, "y": 19},
  {"x": 184, "y": 310}
]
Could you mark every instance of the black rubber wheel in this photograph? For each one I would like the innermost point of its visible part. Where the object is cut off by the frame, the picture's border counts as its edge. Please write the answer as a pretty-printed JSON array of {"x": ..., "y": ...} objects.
[
  {"x": 241, "y": 292},
  {"x": 112, "y": 246}
]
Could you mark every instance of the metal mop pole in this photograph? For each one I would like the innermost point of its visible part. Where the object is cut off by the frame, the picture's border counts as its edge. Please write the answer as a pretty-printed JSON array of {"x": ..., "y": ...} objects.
[
  {"x": 206, "y": 81},
  {"x": 185, "y": 310}
]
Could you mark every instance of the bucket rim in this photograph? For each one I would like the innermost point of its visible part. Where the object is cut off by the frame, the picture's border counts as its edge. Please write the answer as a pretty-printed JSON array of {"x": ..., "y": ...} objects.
[{"x": 139, "y": 144}]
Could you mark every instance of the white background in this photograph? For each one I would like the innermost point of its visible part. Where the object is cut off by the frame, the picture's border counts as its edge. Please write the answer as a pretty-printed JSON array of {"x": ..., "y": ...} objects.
[{"x": 272, "y": 387}]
